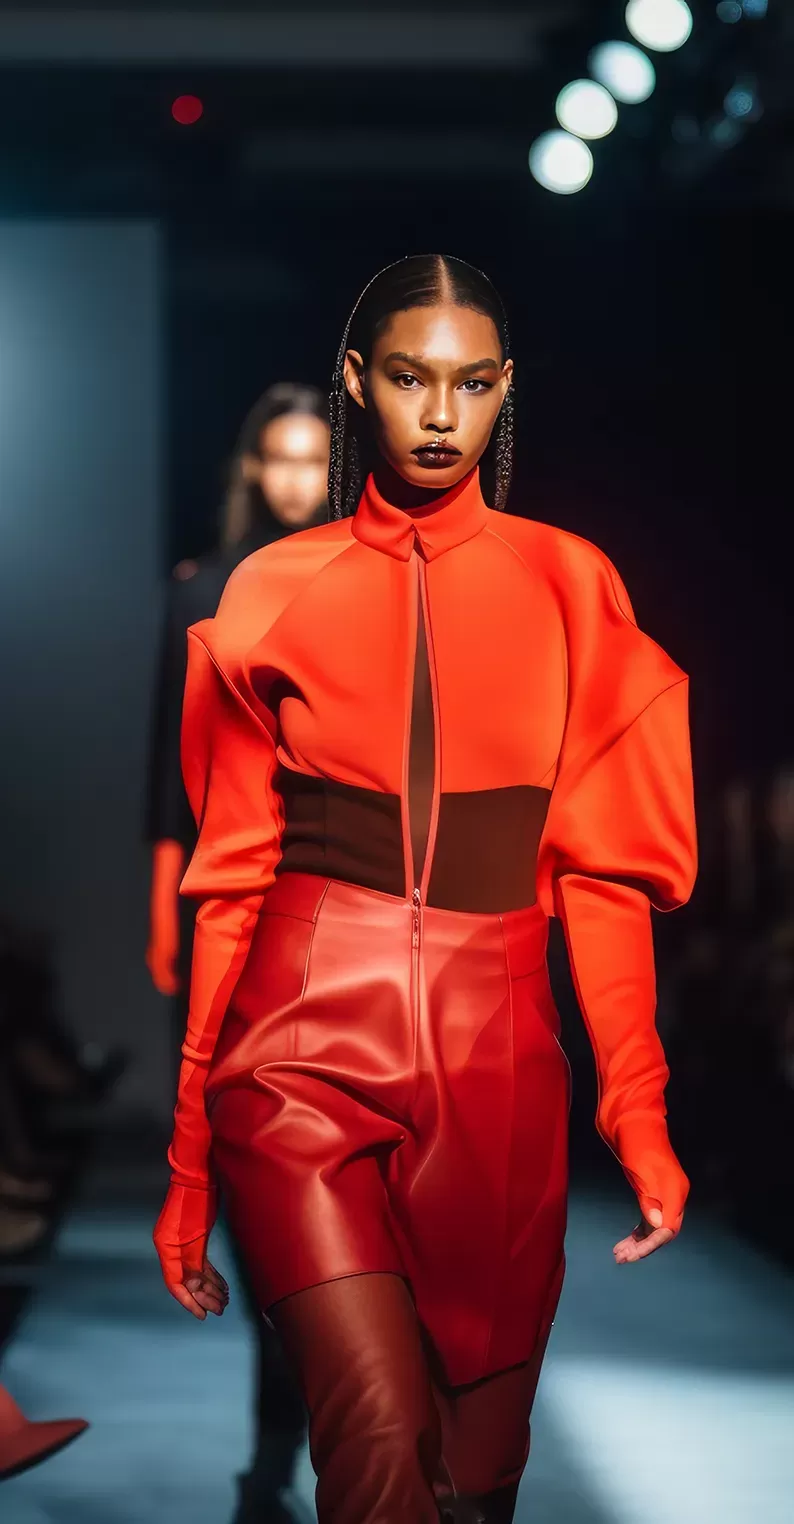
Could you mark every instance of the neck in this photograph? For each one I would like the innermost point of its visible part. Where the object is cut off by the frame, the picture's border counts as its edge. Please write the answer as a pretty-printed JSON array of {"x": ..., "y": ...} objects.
[{"x": 401, "y": 493}]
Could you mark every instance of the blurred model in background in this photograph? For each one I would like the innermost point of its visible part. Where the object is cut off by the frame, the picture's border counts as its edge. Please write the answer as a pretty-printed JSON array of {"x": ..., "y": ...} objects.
[
  {"x": 731, "y": 1010},
  {"x": 278, "y": 484}
]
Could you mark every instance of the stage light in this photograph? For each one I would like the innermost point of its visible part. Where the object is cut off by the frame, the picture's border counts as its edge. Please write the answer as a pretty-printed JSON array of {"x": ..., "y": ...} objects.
[
  {"x": 626, "y": 71},
  {"x": 187, "y": 110},
  {"x": 561, "y": 162},
  {"x": 756, "y": 9},
  {"x": 663, "y": 25},
  {"x": 729, "y": 11},
  {"x": 586, "y": 109}
]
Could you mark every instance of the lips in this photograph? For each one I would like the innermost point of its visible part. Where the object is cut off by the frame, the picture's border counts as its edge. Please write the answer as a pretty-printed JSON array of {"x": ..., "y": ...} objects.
[{"x": 436, "y": 457}]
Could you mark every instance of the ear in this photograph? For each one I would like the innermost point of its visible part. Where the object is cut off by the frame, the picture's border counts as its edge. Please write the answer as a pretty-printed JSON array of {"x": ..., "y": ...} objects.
[
  {"x": 506, "y": 378},
  {"x": 354, "y": 376}
]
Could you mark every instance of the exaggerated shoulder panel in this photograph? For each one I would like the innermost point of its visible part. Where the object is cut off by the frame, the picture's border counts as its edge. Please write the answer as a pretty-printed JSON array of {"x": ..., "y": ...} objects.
[
  {"x": 591, "y": 592},
  {"x": 265, "y": 584},
  {"x": 570, "y": 562}
]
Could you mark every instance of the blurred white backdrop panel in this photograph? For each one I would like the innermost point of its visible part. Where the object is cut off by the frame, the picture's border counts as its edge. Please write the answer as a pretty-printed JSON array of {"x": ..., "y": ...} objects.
[{"x": 81, "y": 401}]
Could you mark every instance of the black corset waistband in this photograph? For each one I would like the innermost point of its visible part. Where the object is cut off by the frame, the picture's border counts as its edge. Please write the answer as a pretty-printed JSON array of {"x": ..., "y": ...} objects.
[{"x": 485, "y": 851}]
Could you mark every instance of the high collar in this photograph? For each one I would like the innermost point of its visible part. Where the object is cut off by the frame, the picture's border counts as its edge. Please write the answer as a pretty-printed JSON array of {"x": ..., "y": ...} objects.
[{"x": 457, "y": 516}]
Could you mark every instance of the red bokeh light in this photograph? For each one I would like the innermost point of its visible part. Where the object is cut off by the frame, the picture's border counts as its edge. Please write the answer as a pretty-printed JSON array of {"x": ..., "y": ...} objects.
[{"x": 187, "y": 109}]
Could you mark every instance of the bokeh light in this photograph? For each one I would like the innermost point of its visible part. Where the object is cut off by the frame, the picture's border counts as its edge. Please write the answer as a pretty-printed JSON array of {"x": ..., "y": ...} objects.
[
  {"x": 729, "y": 11},
  {"x": 663, "y": 25},
  {"x": 586, "y": 109},
  {"x": 561, "y": 162},
  {"x": 626, "y": 71},
  {"x": 187, "y": 110},
  {"x": 740, "y": 102}
]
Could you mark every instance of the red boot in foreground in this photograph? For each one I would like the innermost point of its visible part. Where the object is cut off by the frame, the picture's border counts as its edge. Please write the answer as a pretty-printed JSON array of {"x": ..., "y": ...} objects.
[{"x": 23, "y": 1443}]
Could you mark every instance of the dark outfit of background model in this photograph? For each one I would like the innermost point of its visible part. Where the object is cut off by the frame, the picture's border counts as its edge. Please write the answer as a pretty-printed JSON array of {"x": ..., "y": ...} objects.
[{"x": 280, "y": 1417}]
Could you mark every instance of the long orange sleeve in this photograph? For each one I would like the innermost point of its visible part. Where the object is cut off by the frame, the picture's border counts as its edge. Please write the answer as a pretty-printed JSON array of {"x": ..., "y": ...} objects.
[
  {"x": 620, "y": 838},
  {"x": 162, "y": 952},
  {"x": 228, "y": 752}
]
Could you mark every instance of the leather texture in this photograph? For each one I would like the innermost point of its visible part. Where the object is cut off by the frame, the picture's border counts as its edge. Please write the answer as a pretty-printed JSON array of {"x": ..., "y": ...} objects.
[
  {"x": 388, "y": 1094},
  {"x": 387, "y": 1441}
]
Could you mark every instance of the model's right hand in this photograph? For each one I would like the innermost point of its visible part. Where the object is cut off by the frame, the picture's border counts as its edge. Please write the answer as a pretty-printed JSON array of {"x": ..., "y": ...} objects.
[
  {"x": 162, "y": 952},
  {"x": 180, "y": 1238}
]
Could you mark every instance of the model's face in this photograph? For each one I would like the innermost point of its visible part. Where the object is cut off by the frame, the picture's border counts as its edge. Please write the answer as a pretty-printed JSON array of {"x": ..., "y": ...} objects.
[
  {"x": 292, "y": 467},
  {"x": 432, "y": 390}
]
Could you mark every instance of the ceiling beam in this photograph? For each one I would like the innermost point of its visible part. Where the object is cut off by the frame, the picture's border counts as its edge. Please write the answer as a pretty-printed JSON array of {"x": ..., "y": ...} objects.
[{"x": 289, "y": 38}]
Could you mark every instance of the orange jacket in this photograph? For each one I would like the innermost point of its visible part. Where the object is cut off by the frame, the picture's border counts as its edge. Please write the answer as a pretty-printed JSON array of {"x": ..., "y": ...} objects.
[{"x": 560, "y": 766}]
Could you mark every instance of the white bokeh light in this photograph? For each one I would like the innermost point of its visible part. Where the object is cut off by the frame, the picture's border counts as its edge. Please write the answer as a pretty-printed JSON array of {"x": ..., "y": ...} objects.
[
  {"x": 561, "y": 162},
  {"x": 586, "y": 109},
  {"x": 663, "y": 25},
  {"x": 626, "y": 71}
]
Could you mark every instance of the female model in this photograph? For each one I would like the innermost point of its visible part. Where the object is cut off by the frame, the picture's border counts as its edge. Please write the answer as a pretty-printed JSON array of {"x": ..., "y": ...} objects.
[
  {"x": 410, "y": 736},
  {"x": 278, "y": 484}
]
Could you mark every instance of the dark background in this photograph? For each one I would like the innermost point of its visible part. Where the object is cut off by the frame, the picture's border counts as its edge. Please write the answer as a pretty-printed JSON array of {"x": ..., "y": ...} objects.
[{"x": 649, "y": 313}]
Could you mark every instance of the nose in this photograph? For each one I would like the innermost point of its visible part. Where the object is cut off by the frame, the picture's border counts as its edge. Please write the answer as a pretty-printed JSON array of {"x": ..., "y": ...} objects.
[{"x": 439, "y": 415}]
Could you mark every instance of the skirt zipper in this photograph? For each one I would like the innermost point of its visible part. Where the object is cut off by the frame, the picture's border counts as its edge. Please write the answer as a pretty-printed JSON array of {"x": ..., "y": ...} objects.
[{"x": 416, "y": 915}]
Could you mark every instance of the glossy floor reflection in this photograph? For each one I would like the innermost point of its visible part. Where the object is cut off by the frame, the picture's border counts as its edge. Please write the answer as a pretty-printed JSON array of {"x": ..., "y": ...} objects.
[{"x": 668, "y": 1394}]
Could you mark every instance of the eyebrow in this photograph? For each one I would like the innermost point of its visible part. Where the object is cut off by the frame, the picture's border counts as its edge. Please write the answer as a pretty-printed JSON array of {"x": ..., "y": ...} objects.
[{"x": 465, "y": 370}]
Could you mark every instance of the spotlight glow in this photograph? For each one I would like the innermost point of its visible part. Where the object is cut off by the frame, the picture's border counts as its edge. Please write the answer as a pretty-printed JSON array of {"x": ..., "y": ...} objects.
[
  {"x": 729, "y": 11},
  {"x": 586, "y": 109},
  {"x": 561, "y": 162},
  {"x": 663, "y": 25},
  {"x": 626, "y": 71}
]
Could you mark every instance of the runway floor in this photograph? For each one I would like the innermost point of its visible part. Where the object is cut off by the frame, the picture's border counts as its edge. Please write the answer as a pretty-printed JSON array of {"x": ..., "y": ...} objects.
[{"x": 667, "y": 1395}]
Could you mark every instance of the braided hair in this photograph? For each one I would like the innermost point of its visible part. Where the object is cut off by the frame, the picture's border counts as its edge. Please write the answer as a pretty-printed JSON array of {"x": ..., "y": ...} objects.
[{"x": 421, "y": 280}]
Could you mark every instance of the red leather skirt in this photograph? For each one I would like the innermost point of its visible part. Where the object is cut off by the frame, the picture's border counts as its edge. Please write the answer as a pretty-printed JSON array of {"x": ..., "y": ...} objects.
[{"x": 388, "y": 1093}]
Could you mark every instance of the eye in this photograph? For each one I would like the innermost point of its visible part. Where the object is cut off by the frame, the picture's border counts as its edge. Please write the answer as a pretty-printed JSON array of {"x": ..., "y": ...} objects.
[
  {"x": 406, "y": 381},
  {"x": 475, "y": 387}
]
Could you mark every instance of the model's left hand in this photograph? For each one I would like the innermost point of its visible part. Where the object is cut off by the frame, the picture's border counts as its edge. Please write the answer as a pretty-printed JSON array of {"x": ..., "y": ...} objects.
[{"x": 647, "y": 1237}]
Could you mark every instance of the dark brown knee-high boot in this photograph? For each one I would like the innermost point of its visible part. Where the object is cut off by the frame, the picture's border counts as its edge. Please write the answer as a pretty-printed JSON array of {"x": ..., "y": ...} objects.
[{"x": 489, "y": 1508}]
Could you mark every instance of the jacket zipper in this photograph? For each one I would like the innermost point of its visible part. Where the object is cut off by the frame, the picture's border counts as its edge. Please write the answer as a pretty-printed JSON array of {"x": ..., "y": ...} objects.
[
  {"x": 432, "y": 830},
  {"x": 419, "y": 891}
]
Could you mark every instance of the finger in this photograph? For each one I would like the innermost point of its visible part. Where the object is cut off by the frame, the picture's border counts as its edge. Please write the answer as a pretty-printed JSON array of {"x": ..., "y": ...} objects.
[
  {"x": 211, "y": 1301},
  {"x": 654, "y": 1241},
  {"x": 181, "y": 1294},
  {"x": 633, "y": 1248},
  {"x": 206, "y": 1293},
  {"x": 209, "y": 1269},
  {"x": 215, "y": 1285}
]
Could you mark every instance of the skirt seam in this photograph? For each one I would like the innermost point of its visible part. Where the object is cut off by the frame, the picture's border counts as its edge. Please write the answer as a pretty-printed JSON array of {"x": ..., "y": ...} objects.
[
  {"x": 307, "y": 960},
  {"x": 505, "y": 1231}
]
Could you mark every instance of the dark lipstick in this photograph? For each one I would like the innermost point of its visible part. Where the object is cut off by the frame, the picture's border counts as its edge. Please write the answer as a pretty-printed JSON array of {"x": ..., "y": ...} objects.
[{"x": 436, "y": 457}]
